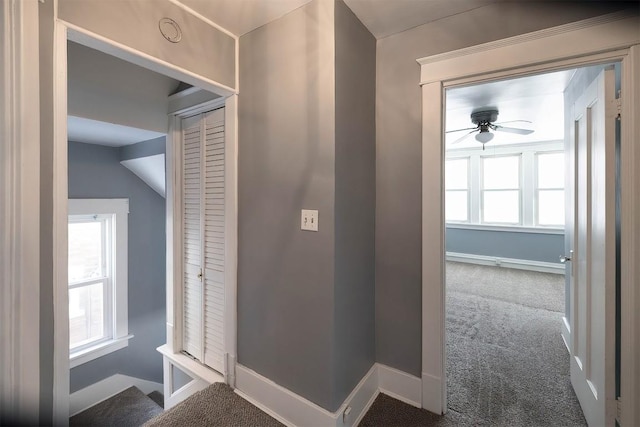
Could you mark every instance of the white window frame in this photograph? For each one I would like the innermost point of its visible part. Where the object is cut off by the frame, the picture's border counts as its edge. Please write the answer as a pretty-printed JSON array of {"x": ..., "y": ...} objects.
[
  {"x": 117, "y": 320},
  {"x": 528, "y": 185},
  {"x": 536, "y": 191},
  {"x": 467, "y": 189}
]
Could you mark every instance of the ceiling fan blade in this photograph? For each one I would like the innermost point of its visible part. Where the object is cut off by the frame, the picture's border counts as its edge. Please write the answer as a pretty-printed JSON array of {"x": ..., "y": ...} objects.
[
  {"x": 513, "y": 121},
  {"x": 512, "y": 130},
  {"x": 463, "y": 137},
  {"x": 460, "y": 130}
]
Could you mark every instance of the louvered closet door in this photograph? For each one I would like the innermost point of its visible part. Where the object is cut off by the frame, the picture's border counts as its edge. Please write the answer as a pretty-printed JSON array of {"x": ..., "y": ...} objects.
[
  {"x": 214, "y": 239},
  {"x": 204, "y": 237},
  {"x": 192, "y": 242}
]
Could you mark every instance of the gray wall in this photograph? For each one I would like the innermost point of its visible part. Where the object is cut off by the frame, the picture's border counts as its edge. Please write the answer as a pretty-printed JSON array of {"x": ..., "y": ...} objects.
[
  {"x": 95, "y": 172},
  {"x": 398, "y": 154},
  {"x": 151, "y": 147},
  {"x": 102, "y": 87},
  {"x": 506, "y": 244},
  {"x": 355, "y": 201},
  {"x": 306, "y": 313},
  {"x": 135, "y": 24},
  {"x": 286, "y": 162}
]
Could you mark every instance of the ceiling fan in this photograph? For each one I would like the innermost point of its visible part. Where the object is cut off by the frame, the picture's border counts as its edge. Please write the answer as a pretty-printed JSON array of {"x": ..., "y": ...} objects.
[{"x": 485, "y": 122}]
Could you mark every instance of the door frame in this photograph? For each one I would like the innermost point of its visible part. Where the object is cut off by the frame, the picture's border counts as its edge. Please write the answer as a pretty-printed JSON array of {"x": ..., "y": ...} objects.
[
  {"x": 602, "y": 39},
  {"x": 20, "y": 388},
  {"x": 63, "y": 32}
]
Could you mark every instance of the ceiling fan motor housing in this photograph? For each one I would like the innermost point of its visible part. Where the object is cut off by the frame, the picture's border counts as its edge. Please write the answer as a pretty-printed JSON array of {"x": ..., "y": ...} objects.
[{"x": 484, "y": 117}]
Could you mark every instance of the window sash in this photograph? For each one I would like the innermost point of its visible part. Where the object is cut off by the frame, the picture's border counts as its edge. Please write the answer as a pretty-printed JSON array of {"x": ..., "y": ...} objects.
[
  {"x": 467, "y": 212},
  {"x": 107, "y": 309},
  {"x": 538, "y": 205},
  {"x": 483, "y": 220},
  {"x": 107, "y": 251}
]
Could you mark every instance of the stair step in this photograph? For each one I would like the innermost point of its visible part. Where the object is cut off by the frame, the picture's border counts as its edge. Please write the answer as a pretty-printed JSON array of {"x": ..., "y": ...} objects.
[
  {"x": 130, "y": 407},
  {"x": 157, "y": 397}
]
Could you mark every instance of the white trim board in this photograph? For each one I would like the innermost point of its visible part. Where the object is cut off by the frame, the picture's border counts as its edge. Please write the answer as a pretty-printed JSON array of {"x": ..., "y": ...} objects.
[
  {"x": 294, "y": 410},
  {"x": 102, "y": 390},
  {"x": 610, "y": 38},
  {"x": 20, "y": 388},
  {"x": 519, "y": 264}
]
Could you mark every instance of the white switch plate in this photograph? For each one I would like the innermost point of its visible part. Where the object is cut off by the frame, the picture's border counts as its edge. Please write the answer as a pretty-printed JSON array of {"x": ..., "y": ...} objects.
[{"x": 309, "y": 220}]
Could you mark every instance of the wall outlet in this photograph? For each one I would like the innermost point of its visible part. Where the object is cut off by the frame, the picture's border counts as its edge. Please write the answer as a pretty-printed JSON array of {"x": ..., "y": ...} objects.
[{"x": 309, "y": 220}]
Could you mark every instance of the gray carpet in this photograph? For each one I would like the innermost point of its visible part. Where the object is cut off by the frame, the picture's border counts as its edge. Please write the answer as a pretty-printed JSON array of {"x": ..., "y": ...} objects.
[
  {"x": 130, "y": 407},
  {"x": 506, "y": 362},
  {"x": 216, "y": 405}
]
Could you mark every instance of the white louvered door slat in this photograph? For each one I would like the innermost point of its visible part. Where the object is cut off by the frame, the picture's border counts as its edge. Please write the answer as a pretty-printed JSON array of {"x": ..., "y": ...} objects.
[
  {"x": 192, "y": 230},
  {"x": 214, "y": 237},
  {"x": 203, "y": 189}
]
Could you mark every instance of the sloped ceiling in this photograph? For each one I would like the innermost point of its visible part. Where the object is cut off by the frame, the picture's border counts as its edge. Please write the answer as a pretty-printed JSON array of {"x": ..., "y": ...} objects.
[{"x": 381, "y": 17}]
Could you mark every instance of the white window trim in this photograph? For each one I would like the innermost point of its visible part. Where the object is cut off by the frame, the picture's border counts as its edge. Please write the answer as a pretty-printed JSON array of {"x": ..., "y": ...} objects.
[
  {"x": 528, "y": 185},
  {"x": 120, "y": 317}
]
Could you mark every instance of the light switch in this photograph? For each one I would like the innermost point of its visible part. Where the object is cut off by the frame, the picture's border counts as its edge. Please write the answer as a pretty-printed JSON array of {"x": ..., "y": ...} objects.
[{"x": 309, "y": 220}]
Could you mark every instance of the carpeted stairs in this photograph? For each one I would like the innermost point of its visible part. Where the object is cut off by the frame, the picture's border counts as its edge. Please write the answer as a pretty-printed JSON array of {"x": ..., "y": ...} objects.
[{"x": 130, "y": 407}]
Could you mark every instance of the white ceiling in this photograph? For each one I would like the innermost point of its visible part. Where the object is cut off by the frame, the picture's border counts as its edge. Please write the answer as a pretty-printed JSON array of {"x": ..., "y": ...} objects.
[
  {"x": 386, "y": 17},
  {"x": 102, "y": 133},
  {"x": 381, "y": 17},
  {"x": 538, "y": 99},
  {"x": 242, "y": 16}
]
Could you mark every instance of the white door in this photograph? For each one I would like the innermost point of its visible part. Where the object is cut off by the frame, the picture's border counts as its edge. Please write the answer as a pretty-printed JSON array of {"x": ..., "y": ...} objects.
[{"x": 591, "y": 161}]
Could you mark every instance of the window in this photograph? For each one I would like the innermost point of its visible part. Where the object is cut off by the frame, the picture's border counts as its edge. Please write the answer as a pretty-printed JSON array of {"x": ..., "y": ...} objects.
[
  {"x": 501, "y": 190},
  {"x": 97, "y": 274},
  {"x": 550, "y": 189},
  {"x": 457, "y": 190},
  {"x": 519, "y": 186}
]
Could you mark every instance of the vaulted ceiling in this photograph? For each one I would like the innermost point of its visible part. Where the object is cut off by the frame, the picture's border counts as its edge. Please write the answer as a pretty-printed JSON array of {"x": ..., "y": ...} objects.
[{"x": 381, "y": 17}]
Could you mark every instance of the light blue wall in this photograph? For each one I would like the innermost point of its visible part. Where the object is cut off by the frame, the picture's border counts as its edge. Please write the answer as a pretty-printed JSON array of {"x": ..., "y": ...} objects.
[
  {"x": 95, "y": 172},
  {"x": 506, "y": 244}
]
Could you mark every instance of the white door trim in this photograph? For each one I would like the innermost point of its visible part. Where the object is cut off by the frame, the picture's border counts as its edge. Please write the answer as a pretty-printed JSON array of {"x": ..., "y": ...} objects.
[
  {"x": 20, "y": 387},
  {"x": 607, "y": 38},
  {"x": 64, "y": 32}
]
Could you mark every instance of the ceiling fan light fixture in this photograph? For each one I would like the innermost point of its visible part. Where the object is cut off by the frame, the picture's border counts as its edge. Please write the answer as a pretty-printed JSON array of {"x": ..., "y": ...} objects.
[{"x": 484, "y": 136}]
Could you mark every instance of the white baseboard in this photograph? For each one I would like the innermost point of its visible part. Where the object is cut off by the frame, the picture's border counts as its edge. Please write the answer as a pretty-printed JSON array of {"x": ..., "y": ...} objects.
[
  {"x": 282, "y": 404},
  {"x": 102, "y": 390},
  {"x": 400, "y": 385},
  {"x": 294, "y": 410},
  {"x": 520, "y": 264},
  {"x": 432, "y": 394}
]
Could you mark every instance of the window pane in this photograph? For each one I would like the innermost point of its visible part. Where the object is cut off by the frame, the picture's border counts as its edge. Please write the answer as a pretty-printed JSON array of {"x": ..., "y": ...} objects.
[
  {"x": 86, "y": 314},
  {"x": 551, "y": 170},
  {"x": 85, "y": 251},
  {"x": 501, "y": 207},
  {"x": 501, "y": 172},
  {"x": 456, "y": 174},
  {"x": 551, "y": 207},
  {"x": 456, "y": 206}
]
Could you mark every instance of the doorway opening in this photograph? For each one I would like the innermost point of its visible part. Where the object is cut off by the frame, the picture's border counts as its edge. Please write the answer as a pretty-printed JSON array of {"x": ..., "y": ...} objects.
[
  {"x": 509, "y": 197},
  {"x": 124, "y": 238}
]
